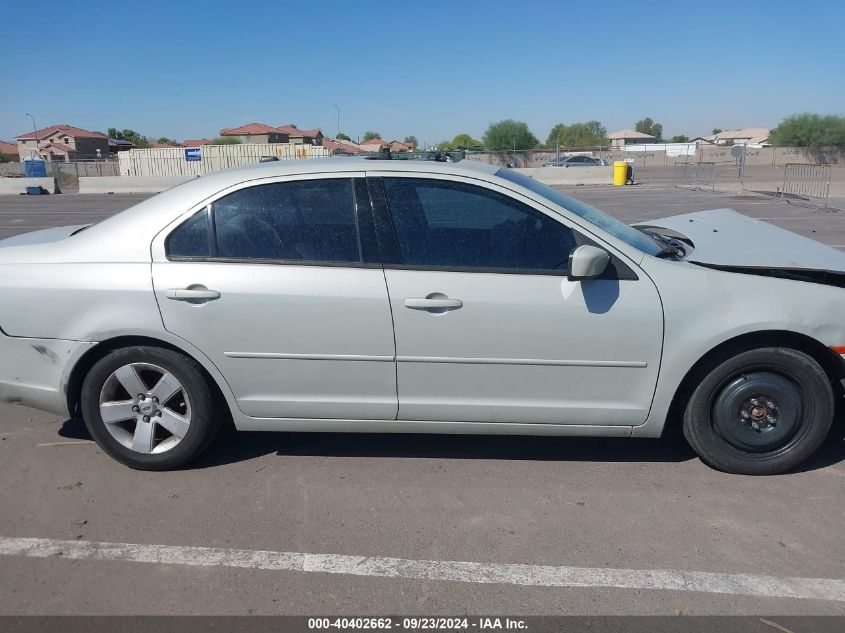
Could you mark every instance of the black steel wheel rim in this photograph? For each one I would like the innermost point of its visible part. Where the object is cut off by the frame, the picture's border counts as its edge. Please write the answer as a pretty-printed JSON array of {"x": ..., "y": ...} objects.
[{"x": 758, "y": 411}]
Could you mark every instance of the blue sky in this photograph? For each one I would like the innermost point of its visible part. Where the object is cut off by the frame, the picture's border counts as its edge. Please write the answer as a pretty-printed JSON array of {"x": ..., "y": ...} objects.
[{"x": 432, "y": 68}]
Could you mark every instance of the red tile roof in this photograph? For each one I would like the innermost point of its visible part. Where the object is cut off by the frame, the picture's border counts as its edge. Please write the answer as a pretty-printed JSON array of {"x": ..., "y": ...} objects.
[
  {"x": 263, "y": 128},
  {"x": 8, "y": 148},
  {"x": 292, "y": 130},
  {"x": 249, "y": 128},
  {"x": 196, "y": 142},
  {"x": 69, "y": 130},
  {"x": 57, "y": 145},
  {"x": 342, "y": 146}
]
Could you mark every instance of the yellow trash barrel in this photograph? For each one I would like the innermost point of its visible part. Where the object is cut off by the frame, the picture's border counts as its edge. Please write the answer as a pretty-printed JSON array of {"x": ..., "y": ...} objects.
[{"x": 620, "y": 173}]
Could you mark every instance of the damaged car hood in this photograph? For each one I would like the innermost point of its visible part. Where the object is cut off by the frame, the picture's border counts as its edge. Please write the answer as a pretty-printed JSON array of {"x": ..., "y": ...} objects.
[{"x": 723, "y": 238}]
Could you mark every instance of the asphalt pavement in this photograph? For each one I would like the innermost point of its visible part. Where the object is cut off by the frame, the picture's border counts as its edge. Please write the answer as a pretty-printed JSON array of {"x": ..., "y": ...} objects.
[{"x": 378, "y": 524}]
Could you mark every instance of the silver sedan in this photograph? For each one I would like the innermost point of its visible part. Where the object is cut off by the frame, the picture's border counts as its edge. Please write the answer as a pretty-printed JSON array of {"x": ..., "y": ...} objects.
[
  {"x": 579, "y": 160},
  {"x": 399, "y": 296}
]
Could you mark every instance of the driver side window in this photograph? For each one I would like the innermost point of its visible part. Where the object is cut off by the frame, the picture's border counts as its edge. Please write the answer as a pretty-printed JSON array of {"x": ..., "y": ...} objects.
[{"x": 455, "y": 225}]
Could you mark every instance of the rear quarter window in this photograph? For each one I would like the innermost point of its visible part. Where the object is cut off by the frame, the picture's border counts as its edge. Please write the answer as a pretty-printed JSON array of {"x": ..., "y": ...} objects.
[{"x": 191, "y": 238}]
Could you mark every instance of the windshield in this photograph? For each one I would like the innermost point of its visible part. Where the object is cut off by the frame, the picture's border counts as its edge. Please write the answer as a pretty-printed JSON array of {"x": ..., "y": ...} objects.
[{"x": 616, "y": 228}]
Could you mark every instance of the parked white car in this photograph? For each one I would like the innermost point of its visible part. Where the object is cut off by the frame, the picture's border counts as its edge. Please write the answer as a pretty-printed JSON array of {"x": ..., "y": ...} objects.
[{"x": 406, "y": 296}]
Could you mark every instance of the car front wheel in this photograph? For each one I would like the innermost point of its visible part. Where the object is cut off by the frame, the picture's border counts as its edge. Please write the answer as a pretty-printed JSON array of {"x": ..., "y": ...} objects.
[
  {"x": 760, "y": 412},
  {"x": 149, "y": 408}
]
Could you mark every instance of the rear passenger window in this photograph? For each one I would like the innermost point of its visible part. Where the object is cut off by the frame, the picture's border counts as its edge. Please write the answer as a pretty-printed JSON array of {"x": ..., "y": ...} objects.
[
  {"x": 190, "y": 239},
  {"x": 309, "y": 220}
]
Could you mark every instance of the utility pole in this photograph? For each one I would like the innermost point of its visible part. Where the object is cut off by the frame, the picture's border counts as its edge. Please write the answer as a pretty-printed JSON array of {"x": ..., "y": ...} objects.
[
  {"x": 338, "y": 119},
  {"x": 35, "y": 130}
]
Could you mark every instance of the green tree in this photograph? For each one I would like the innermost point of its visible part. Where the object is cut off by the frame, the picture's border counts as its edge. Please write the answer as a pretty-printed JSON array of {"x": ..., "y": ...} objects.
[
  {"x": 4, "y": 158},
  {"x": 227, "y": 140},
  {"x": 464, "y": 141},
  {"x": 411, "y": 140},
  {"x": 368, "y": 136},
  {"x": 679, "y": 138},
  {"x": 717, "y": 130},
  {"x": 343, "y": 137},
  {"x": 167, "y": 141},
  {"x": 509, "y": 134},
  {"x": 648, "y": 126},
  {"x": 810, "y": 130},
  {"x": 577, "y": 135}
]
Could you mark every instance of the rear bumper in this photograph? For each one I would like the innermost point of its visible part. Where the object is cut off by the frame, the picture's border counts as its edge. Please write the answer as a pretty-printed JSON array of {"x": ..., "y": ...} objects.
[{"x": 34, "y": 371}]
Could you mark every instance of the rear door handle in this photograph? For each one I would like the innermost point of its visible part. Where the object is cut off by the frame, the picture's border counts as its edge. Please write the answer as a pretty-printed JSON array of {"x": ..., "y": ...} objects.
[
  {"x": 191, "y": 294},
  {"x": 423, "y": 303}
]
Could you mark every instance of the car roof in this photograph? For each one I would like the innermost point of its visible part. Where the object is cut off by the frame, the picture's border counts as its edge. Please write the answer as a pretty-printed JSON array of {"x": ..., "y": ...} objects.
[{"x": 341, "y": 164}]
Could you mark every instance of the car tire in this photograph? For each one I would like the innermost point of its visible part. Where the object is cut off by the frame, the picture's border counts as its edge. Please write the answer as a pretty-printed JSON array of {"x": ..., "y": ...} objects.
[
  {"x": 760, "y": 412},
  {"x": 142, "y": 430}
]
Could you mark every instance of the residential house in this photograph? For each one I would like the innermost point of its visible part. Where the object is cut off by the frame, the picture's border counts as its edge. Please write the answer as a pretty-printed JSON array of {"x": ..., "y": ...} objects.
[
  {"x": 263, "y": 133},
  {"x": 400, "y": 146},
  {"x": 373, "y": 145},
  {"x": 254, "y": 133},
  {"x": 753, "y": 136},
  {"x": 297, "y": 136},
  {"x": 337, "y": 146},
  {"x": 9, "y": 150},
  {"x": 63, "y": 143},
  {"x": 629, "y": 137}
]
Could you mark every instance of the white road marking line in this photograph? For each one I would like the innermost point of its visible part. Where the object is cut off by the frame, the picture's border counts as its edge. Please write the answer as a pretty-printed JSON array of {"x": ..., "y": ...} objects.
[
  {"x": 457, "y": 571},
  {"x": 776, "y": 625},
  {"x": 68, "y": 443}
]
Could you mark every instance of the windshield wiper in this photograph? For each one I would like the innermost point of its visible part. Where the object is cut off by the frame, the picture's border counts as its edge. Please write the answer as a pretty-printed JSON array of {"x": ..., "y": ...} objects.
[
  {"x": 670, "y": 251},
  {"x": 670, "y": 247}
]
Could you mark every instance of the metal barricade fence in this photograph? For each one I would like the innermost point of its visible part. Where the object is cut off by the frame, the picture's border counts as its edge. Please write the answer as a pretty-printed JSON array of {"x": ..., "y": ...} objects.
[
  {"x": 807, "y": 181},
  {"x": 705, "y": 176},
  {"x": 694, "y": 175},
  {"x": 683, "y": 174}
]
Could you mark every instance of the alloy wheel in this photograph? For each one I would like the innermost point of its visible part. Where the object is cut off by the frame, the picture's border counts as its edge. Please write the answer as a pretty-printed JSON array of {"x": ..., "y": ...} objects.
[{"x": 145, "y": 408}]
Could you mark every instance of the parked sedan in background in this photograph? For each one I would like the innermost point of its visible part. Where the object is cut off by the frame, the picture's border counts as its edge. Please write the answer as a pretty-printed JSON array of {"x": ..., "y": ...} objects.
[
  {"x": 579, "y": 160},
  {"x": 421, "y": 297}
]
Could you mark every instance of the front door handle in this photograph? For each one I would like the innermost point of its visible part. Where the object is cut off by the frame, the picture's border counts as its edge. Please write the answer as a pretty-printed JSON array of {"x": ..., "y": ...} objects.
[
  {"x": 191, "y": 294},
  {"x": 424, "y": 303}
]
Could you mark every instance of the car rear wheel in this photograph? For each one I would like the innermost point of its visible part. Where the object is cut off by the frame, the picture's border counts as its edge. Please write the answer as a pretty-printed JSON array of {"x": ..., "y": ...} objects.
[
  {"x": 761, "y": 412},
  {"x": 149, "y": 408}
]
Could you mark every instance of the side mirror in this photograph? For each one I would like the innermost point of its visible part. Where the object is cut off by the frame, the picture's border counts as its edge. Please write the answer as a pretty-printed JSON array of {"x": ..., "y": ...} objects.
[{"x": 586, "y": 262}]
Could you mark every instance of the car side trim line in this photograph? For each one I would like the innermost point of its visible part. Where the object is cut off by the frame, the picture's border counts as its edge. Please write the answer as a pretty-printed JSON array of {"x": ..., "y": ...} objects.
[
  {"x": 523, "y": 361},
  {"x": 277, "y": 356},
  {"x": 441, "y": 359},
  {"x": 310, "y": 425}
]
